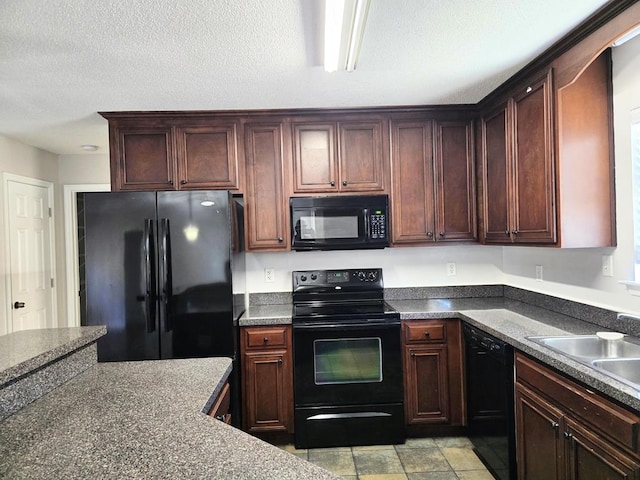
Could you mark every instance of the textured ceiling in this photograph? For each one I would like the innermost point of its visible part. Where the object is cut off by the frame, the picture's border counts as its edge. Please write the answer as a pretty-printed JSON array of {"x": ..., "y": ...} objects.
[{"x": 61, "y": 61}]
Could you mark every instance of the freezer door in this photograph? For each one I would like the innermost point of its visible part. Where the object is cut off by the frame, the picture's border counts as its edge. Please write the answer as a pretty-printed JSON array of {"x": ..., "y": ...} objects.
[
  {"x": 117, "y": 258},
  {"x": 196, "y": 303}
]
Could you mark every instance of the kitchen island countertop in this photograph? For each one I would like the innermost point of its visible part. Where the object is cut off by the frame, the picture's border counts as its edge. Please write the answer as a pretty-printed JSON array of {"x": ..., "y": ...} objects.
[{"x": 139, "y": 420}]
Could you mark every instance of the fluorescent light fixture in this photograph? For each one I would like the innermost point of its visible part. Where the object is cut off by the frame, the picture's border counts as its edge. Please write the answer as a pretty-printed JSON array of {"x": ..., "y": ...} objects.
[
  {"x": 626, "y": 37},
  {"x": 344, "y": 28}
]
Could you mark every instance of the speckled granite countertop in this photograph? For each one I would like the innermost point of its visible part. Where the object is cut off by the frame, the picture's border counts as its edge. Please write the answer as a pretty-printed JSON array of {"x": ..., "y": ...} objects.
[
  {"x": 25, "y": 351},
  {"x": 507, "y": 319},
  {"x": 139, "y": 420}
]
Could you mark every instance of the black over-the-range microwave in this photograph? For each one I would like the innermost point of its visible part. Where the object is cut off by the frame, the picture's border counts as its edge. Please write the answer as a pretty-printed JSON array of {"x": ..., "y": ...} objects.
[{"x": 342, "y": 222}]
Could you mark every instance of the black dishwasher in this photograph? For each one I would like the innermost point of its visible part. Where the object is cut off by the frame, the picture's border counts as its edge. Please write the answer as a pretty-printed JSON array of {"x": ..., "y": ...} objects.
[{"x": 490, "y": 401}]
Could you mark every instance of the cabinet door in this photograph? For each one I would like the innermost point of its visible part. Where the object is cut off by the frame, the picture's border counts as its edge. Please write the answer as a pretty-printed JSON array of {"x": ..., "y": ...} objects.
[
  {"x": 314, "y": 162},
  {"x": 267, "y": 219},
  {"x": 360, "y": 156},
  {"x": 142, "y": 158},
  {"x": 413, "y": 183},
  {"x": 539, "y": 443},
  {"x": 589, "y": 456},
  {"x": 267, "y": 391},
  {"x": 495, "y": 177},
  {"x": 208, "y": 157},
  {"x": 533, "y": 166},
  {"x": 455, "y": 192},
  {"x": 427, "y": 385}
]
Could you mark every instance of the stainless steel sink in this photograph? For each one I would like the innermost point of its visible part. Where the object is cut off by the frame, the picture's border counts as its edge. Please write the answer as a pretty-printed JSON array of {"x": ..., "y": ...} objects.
[
  {"x": 590, "y": 347},
  {"x": 625, "y": 369},
  {"x": 619, "y": 359}
]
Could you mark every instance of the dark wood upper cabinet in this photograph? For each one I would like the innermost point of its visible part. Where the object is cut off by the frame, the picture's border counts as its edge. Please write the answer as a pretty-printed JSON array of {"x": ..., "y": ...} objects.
[
  {"x": 266, "y": 207},
  {"x": 455, "y": 181},
  {"x": 208, "y": 156},
  {"x": 141, "y": 158},
  {"x": 175, "y": 153},
  {"x": 495, "y": 156},
  {"x": 433, "y": 192},
  {"x": 412, "y": 191},
  {"x": 533, "y": 197},
  {"x": 314, "y": 157},
  {"x": 342, "y": 156},
  {"x": 518, "y": 166}
]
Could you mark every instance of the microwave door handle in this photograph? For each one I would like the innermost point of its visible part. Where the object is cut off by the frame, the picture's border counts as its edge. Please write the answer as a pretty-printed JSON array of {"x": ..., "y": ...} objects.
[{"x": 367, "y": 227}]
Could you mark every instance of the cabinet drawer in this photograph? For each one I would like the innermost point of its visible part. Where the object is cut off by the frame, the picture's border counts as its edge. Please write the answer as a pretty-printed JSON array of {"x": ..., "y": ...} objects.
[
  {"x": 265, "y": 337},
  {"x": 425, "y": 331},
  {"x": 621, "y": 425},
  {"x": 220, "y": 409}
]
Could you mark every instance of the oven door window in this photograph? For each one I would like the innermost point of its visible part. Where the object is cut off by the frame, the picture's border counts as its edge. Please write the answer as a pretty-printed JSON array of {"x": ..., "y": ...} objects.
[{"x": 347, "y": 360}]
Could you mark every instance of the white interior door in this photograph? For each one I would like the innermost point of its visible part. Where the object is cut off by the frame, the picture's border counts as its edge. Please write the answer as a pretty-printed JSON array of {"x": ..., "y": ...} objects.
[{"x": 30, "y": 255}]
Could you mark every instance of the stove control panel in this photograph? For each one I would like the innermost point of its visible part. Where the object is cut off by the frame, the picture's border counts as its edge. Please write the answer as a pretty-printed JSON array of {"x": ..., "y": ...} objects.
[{"x": 319, "y": 278}]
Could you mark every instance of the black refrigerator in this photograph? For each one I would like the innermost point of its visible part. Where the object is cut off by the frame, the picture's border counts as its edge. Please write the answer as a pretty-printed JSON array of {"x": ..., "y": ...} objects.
[{"x": 157, "y": 269}]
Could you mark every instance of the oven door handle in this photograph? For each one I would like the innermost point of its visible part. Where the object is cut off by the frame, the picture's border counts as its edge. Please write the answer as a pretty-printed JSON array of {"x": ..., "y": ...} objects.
[
  {"x": 336, "y": 416},
  {"x": 340, "y": 326}
]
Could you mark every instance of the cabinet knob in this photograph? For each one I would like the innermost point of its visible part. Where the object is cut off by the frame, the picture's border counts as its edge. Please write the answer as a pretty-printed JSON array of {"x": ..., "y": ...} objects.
[
  {"x": 280, "y": 239},
  {"x": 265, "y": 339},
  {"x": 332, "y": 183},
  {"x": 17, "y": 305},
  {"x": 515, "y": 232},
  {"x": 279, "y": 360},
  {"x": 555, "y": 425},
  {"x": 568, "y": 435},
  {"x": 430, "y": 234},
  {"x": 170, "y": 182},
  {"x": 442, "y": 234},
  {"x": 344, "y": 183},
  {"x": 426, "y": 334},
  {"x": 529, "y": 90},
  {"x": 507, "y": 232},
  {"x": 183, "y": 182},
  {"x": 413, "y": 354}
]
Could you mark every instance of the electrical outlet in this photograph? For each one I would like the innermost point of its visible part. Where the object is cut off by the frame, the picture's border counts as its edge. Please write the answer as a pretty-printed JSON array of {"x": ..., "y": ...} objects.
[
  {"x": 539, "y": 273},
  {"x": 451, "y": 269},
  {"x": 269, "y": 275},
  {"x": 607, "y": 265}
]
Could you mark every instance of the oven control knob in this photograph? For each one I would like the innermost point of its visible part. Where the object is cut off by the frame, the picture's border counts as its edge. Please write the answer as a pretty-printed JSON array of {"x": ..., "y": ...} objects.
[
  {"x": 303, "y": 278},
  {"x": 361, "y": 275},
  {"x": 314, "y": 276},
  {"x": 372, "y": 275}
]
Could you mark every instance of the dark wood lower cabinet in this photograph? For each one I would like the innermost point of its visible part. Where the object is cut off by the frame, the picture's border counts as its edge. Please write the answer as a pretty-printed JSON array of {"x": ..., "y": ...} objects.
[
  {"x": 433, "y": 376},
  {"x": 267, "y": 394},
  {"x": 221, "y": 409},
  {"x": 566, "y": 431}
]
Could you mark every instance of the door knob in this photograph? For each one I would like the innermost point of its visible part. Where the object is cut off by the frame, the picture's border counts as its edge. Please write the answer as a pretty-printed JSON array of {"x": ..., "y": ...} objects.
[{"x": 18, "y": 305}]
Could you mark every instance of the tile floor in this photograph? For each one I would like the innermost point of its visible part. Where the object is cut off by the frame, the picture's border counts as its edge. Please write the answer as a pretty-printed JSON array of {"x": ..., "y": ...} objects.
[{"x": 447, "y": 458}]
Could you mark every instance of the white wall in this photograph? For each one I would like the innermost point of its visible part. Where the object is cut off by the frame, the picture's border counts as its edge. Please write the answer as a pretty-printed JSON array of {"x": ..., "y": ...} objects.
[
  {"x": 403, "y": 267},
  {"x": 577, "y": 274},
  {"x": 75, "y": 169},
  {"x": 20, "y": 159}
]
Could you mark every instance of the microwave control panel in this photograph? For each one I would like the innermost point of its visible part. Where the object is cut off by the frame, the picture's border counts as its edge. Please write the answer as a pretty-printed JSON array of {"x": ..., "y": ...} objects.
[{"x": 377, "y": 224}]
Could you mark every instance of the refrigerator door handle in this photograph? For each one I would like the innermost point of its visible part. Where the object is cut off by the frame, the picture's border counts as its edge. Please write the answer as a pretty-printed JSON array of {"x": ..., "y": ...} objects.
[
  {"x": 149, "y": 275},
  {"x": 166, "y": 286}
]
